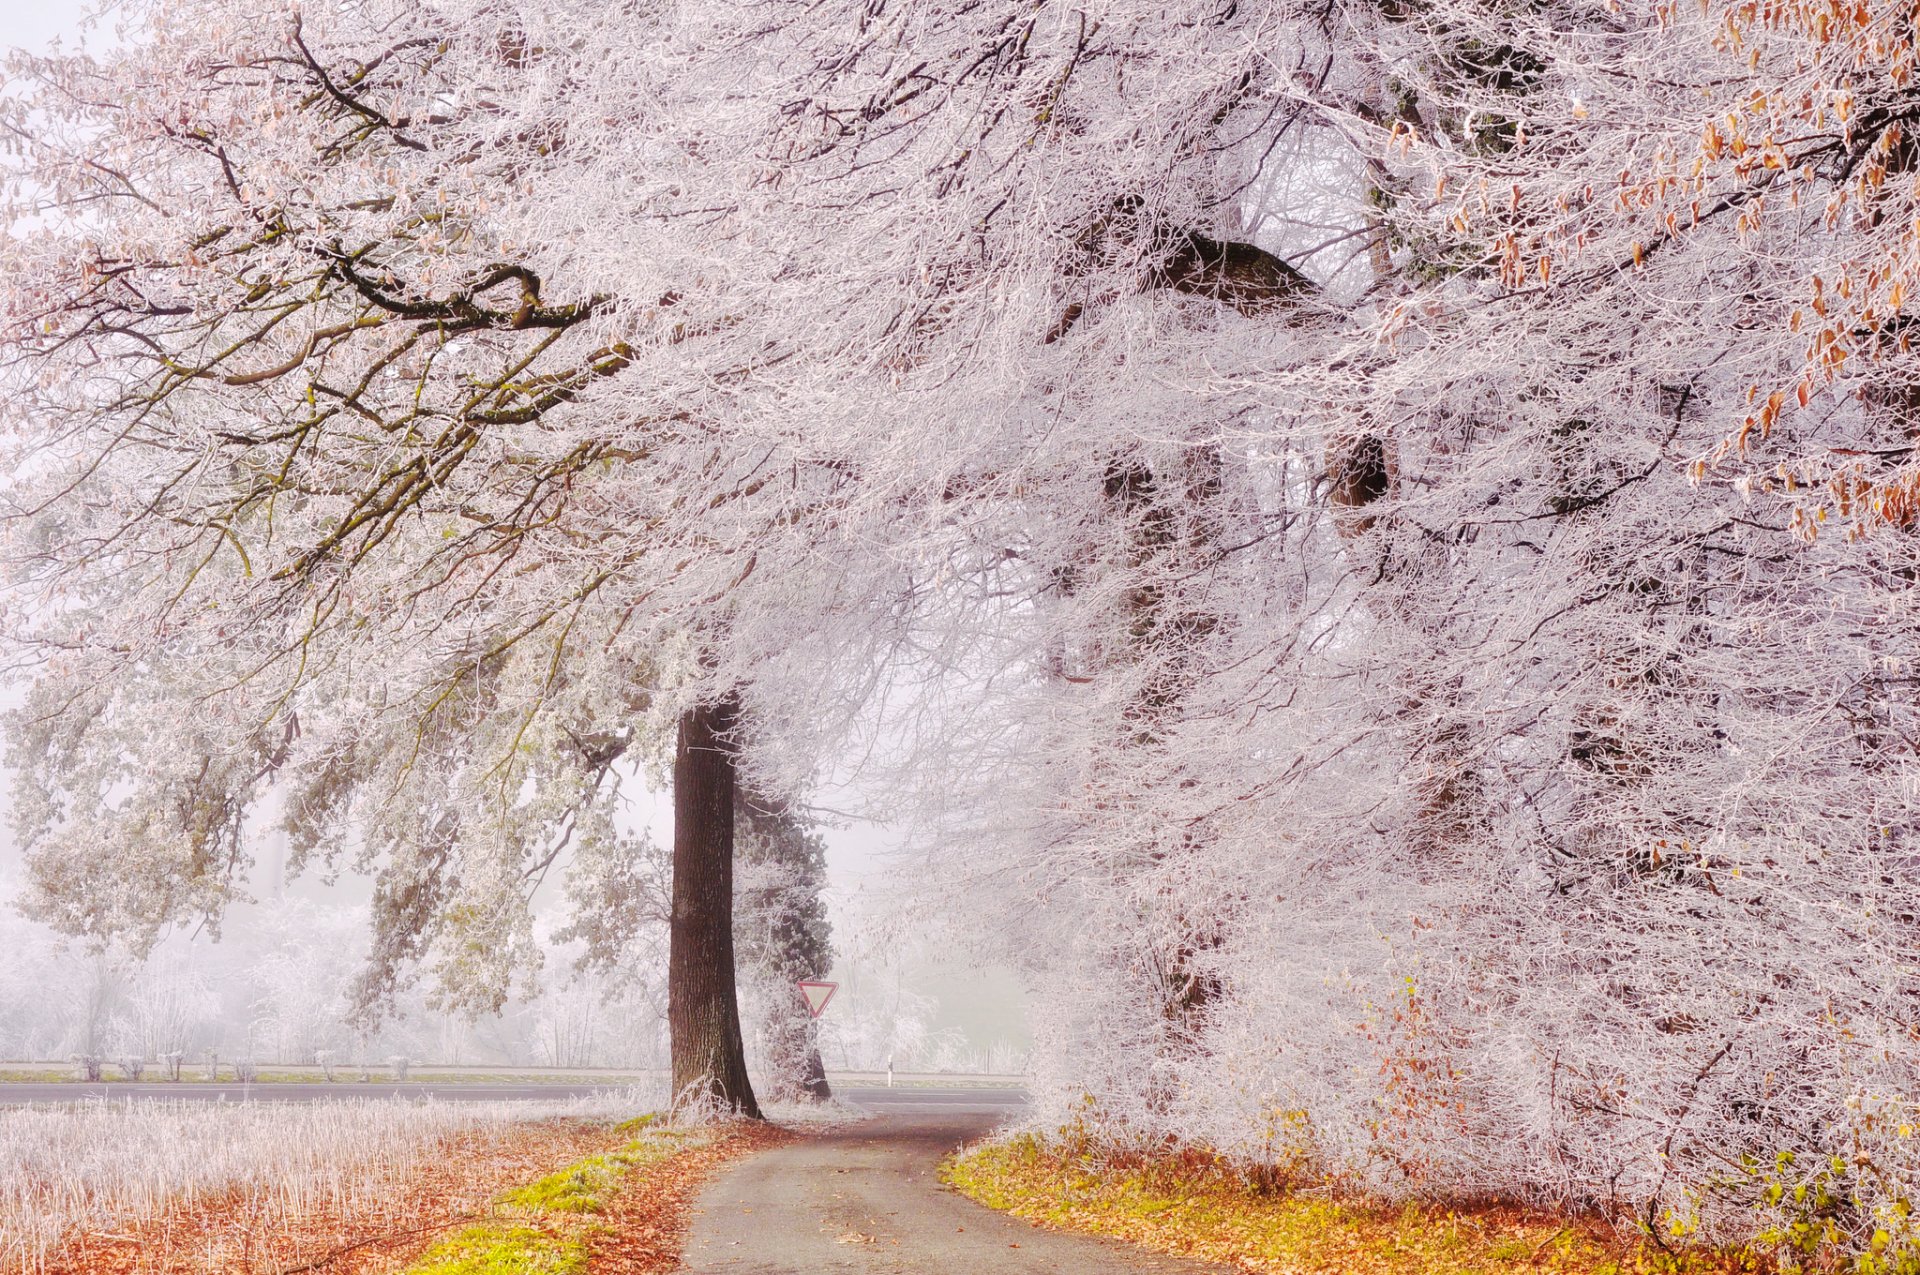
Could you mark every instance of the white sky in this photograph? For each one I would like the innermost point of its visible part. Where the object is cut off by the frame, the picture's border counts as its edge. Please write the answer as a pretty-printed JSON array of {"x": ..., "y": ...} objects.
[{"x": 31, "y": 24}]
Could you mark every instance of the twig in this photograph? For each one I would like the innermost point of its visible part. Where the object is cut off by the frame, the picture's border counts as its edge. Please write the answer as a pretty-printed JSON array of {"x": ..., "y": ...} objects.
[{"x": 327, "y": 1257}]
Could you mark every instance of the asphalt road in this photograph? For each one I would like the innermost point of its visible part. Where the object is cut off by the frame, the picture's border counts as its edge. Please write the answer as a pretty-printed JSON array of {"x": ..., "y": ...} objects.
[
  {"x": 955, "y": 1099},
  {"x": 866, "y": 1199}
]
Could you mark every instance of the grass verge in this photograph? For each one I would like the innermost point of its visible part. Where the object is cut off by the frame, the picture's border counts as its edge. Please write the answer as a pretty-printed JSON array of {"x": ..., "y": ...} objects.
[
  {"x": 1200, "y": 1211},
  {"x": 547, "y": 1226}
]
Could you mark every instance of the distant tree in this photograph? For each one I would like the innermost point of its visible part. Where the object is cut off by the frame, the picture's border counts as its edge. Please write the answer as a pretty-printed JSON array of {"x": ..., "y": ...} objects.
[
  {"x": 782, "y": 937},
  {"x": 170, "y": 1007},
  {"x": 566, "y": 1028},
  {"x": 297, "y": 1002}
]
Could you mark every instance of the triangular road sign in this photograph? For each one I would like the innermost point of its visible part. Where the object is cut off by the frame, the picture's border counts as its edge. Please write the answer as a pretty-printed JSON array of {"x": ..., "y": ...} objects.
[{"x": 817, "y": 994}]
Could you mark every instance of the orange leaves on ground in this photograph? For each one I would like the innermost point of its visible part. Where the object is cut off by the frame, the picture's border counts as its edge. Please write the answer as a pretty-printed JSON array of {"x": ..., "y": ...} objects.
[
  {"x": 233, "y": 1235},
  {"x": 238, "y": 1234},
  {"x": 648, "y": 1220}
]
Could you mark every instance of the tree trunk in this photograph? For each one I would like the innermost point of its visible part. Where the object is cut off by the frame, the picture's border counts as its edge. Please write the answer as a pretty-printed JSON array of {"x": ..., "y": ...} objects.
[
  {"x": 793, "y": 1065},
  {"x": 703, "y": 1014},
  {"x": 814, "y": 1081}
]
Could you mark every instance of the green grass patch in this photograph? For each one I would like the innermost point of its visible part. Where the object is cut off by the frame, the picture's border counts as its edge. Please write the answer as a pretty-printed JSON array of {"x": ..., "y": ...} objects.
[
  {"x": 1181, "y": 1206},
  {"x": 544, "y": 1227},
  {"x": 586, "y": 1187},
  {"x": 492, "y": 1248},
  {"x": 578, "y": 1188}
]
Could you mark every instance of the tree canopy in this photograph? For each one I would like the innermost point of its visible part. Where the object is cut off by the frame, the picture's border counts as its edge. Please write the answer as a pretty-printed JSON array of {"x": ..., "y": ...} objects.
[{"x": 1377, "y": 535}]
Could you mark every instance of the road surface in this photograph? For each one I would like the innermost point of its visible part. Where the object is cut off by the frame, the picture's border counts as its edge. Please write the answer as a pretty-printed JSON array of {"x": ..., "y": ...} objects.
[
  {"x": 948, "y": 1098},
  {"x": 866, "y": 1200}
]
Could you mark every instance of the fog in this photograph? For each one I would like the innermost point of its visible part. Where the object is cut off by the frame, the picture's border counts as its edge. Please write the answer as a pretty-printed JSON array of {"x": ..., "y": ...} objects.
[{"x": 272, "y": 986}]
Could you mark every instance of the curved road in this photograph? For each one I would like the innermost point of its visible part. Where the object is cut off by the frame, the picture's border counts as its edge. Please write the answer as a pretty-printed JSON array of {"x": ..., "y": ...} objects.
[{"x": 866, "y": 1199}]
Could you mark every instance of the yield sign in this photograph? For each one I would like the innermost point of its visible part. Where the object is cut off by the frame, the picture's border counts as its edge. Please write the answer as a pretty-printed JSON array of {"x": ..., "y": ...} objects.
[{"x": 817, "y": 994}]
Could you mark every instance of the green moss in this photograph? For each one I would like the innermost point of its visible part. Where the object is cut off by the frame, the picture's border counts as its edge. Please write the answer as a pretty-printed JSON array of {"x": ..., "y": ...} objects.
[
  {"x": 543, "y": 1228},
  {"x": 587, "y": 1185},
  {"x": 493, "y": 1248},
  {"x": 578, "y": 1188}
]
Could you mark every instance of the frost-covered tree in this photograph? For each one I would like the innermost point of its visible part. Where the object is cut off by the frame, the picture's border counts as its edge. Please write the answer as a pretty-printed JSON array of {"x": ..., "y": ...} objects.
[
  {"x": 170, "y": 1008},
  {"x": 347, "y": 468},
  {"x": 1335, "y": 505},
  {"x": 782, "y": 936}
]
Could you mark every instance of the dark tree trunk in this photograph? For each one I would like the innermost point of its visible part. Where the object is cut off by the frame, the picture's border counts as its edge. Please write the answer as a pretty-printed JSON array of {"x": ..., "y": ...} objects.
[
  {"x": 814, "y": 1082},
  {"x": 703, "y": 1014}
]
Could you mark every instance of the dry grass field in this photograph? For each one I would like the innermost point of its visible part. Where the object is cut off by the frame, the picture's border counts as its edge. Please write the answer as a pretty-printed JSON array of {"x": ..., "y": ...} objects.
[{"x": 257, "y": 1188}]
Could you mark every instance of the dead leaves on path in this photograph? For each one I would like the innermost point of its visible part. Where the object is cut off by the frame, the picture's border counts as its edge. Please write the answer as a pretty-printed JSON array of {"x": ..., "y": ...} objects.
[{"x": 647, "y": 1222}]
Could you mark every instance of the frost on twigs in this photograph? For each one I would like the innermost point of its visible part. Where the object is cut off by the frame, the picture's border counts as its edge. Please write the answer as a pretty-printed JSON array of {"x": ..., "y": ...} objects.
[
  {"x": 1373, "y": 543},
  {"x": 183, "y": 1186}
]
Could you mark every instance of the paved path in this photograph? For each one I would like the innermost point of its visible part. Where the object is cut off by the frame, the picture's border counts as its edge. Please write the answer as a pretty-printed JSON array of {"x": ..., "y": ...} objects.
[
  {"x": 866, "y": 1200},
  {"x": 999, "y": 1102}
]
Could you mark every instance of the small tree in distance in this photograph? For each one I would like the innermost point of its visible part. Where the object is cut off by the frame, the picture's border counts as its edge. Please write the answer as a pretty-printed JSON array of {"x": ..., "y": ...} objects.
[{"x": 781, "y": 938}]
